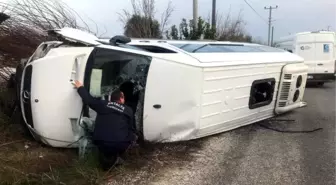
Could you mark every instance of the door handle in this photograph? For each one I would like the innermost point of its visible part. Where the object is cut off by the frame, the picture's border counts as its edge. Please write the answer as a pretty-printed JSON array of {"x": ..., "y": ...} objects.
[
  {"x": 157, "y": 106},
  {"x": 320, "y": 64},
  {"x": 74, "y": 70},
  {"x": 75, "y": 67}
]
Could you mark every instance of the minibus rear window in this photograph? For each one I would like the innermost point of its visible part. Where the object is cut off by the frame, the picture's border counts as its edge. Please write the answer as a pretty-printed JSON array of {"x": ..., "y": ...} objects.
[{"x": 262, "y": 92}]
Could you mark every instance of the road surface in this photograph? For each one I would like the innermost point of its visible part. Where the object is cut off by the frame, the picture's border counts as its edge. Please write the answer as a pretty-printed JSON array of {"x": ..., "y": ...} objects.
[{"x": 255, "y": 155}]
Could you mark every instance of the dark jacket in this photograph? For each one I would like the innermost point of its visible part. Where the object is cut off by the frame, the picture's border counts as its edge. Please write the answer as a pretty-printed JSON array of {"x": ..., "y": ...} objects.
[{"x": 114, "y": 122}]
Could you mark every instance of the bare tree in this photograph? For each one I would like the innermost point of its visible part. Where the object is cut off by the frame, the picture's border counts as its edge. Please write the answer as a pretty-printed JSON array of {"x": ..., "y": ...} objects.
[
  {"x": 231, "y": 28},
  {"x": 166, "y": 16},
  {"x": 45, "y": 14},
  {"x": 259, "y": 40},
  {"x": 141, "y": 21},
  {"x": 25, "y": 29}
]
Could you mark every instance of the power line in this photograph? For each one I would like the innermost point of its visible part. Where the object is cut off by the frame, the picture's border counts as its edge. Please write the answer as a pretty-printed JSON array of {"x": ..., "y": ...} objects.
[{"x": 255, "y": 11}]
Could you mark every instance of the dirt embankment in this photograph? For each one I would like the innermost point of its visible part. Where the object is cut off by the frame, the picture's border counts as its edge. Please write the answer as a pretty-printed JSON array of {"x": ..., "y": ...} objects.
[{"x": 24, "y": 161}]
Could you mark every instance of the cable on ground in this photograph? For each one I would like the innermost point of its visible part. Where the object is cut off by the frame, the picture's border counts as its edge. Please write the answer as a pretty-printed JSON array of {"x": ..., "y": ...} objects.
[{"x": 290, "y": 131}]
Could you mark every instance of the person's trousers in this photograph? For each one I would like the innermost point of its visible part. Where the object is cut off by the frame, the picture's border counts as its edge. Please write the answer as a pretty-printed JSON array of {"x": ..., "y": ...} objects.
[{"x": 109, "y": 152}]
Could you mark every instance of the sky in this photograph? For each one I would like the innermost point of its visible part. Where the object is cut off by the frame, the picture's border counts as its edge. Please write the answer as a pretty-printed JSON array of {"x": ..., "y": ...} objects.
[{"x": 291, "y": 16}]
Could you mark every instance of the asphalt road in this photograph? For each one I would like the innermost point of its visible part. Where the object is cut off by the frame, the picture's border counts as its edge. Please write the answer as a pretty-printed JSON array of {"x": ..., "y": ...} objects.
[{"x": 255, "y": 155}]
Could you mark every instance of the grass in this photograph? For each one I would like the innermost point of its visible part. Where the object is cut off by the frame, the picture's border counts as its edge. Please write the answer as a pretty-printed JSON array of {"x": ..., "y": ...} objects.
[{"x": 24, "y": 161}]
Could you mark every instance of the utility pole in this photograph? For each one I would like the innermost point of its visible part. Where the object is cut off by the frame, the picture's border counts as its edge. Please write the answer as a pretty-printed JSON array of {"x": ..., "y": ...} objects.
[
  {"x": 270, "y": 21},
  {"x": 214, "y": 14},
  {"x": 195, "y": 12},
  {"x": 272, "y": 35}
]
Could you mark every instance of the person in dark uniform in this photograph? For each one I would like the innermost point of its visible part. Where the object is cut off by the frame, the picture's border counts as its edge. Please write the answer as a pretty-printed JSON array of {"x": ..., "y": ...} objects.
[{"x": 114, "y": 129}]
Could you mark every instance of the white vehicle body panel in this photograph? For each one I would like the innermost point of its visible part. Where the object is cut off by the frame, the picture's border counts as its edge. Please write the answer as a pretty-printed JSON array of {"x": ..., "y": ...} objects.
[
  {"x": 200, "y": 94},
  {"x": 219, "y": 103},
  {"x": 76, "y": 35},
  {"x": 55, "y": 104}
]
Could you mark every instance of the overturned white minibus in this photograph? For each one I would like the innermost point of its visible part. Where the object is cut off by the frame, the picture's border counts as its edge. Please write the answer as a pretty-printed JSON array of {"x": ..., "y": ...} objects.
[{"x": 179, "y": 90}]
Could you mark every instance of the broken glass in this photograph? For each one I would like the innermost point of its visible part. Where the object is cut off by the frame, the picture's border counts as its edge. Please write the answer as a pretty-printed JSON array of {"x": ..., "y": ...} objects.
[{"x": 120, "y": 70}]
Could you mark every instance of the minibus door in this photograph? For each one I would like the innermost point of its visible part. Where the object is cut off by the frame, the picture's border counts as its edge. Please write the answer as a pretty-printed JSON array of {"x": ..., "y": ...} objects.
[{"x": 112, "y": 67}]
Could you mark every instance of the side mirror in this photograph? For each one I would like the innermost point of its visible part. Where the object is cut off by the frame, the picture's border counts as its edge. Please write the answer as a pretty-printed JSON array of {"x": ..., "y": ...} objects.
[{"x": 119, "y": 39}]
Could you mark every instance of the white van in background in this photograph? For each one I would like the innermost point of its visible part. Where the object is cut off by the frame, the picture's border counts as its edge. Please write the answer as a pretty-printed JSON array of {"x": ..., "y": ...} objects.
[{"x": 318, "y": 50}]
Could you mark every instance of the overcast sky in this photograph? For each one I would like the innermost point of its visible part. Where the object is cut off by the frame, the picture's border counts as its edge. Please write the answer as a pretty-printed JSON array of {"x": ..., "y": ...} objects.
[{"x": 291, "y": 16}]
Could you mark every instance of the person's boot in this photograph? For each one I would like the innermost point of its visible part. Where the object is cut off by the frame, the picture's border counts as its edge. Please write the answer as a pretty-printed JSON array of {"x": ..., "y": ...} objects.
[{"x": 108, "y": 162}]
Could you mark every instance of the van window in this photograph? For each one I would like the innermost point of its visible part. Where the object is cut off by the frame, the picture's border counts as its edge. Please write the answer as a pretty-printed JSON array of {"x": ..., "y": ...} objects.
[
  {"x": 95, "y": 82},
  {"x": 192, "y": 47},
  {"x": 238, "y": 48},
  {"x": 130, "y": 47},
  {"x": 212, "y": 49},
  {"x": 110, "y": 69},
  {"x": 261, "y": 93},
  {"x": 225, "y": 48},
  {"x": 268, "y": 48},
  {"x": 154, "y": 49}
]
